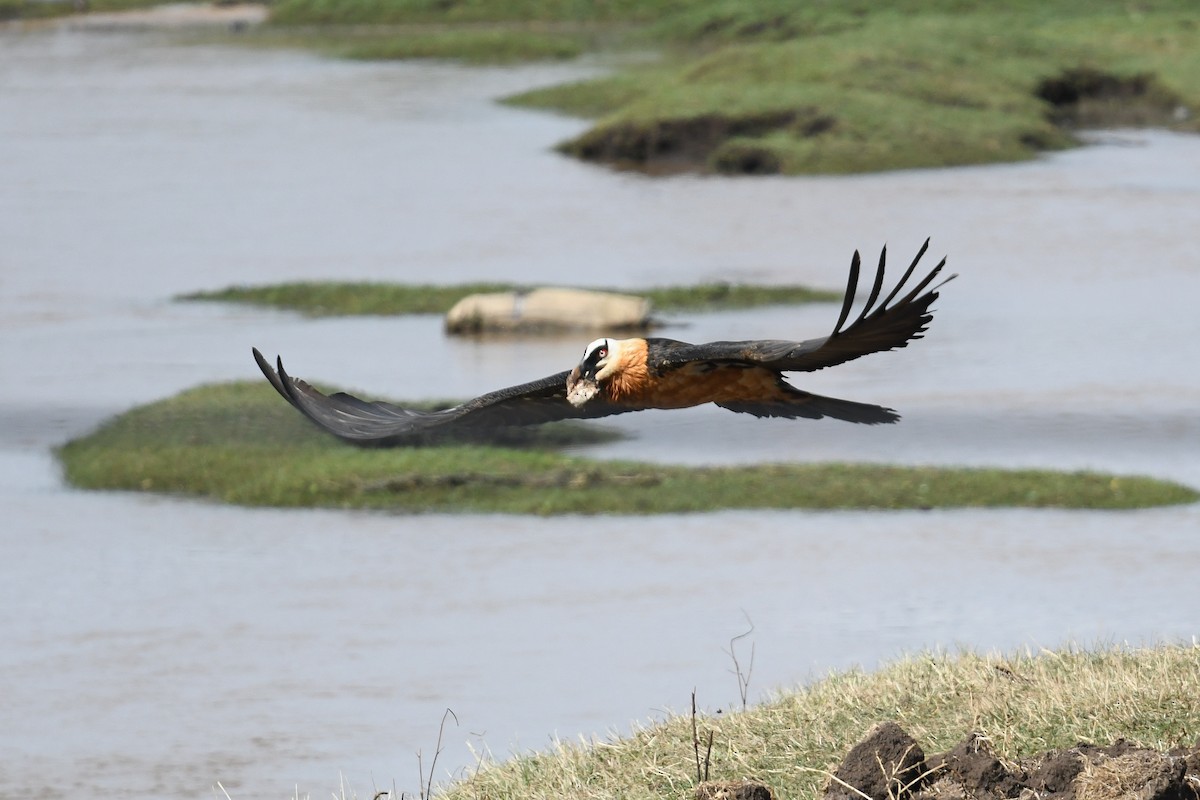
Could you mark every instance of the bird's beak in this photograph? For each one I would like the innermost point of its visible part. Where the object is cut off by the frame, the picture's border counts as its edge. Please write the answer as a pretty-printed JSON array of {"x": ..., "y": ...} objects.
[{"x": 581, "y": 386}]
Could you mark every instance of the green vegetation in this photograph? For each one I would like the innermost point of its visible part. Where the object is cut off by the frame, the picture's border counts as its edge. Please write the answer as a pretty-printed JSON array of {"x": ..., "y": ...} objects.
[
  {"x": 486, "y": 45},
  {"x": 824, "y": 86},
  {"x": 327, "y": 299},
  {"x": 472, "y": 12},
  {"x": 49, "y": 9},
  {"x": 725, "y": 296},
  {"x": 321, "y": 299},
  {"x": 491, "y": 44},
  {"x": 772, "y": 86},
  {"x": 1022, "y": 705},
  {"x": 240, "y": 443},
  {"x": 33, "y": 9}
]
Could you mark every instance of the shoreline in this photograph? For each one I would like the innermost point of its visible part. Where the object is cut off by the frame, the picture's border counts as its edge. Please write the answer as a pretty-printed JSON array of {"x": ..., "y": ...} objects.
[{"x": 170, "y": 17}]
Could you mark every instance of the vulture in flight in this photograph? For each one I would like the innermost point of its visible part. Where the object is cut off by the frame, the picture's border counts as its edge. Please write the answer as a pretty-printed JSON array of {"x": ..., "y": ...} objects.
[{"x": 619, "y": 375}]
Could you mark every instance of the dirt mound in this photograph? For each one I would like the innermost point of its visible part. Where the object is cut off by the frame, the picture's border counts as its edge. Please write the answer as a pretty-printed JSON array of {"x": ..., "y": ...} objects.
[
  {"x": 728, "y": 144},
  {"x": 889, "y": 765},
  {"x": 1086, "y": 97}
]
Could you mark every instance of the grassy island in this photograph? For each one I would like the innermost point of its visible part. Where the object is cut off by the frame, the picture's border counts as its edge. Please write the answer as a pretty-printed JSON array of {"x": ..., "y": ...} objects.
[
  {"x": 772, "y": 86},
  {"x": 240, "y": 443},
  {"x": 335, "y": 298},
  {"x": 817, "y": 87}
]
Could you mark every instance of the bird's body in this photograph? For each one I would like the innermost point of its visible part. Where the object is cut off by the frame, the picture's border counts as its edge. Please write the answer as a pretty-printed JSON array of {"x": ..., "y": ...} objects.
[
  {"x": 697, "y": 383},
  {"x": 651, "y": 373},
  {"x": 621, "y": 375}
]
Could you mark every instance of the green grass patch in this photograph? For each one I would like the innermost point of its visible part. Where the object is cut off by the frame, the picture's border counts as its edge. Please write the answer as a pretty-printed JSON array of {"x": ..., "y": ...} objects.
[
  {"x": 1022, "y": 705},
  {"x": 591, "y": 98},
  {"x": 321, "y": 299},
  {"x": 771, "y": 86},
  {"x": 473, "y": 44},
  {"x": 467, "y": 12},
  {"x": 33, "y": 9},
  {"x": 50, "y": 9},
  {"x": 240, "y": 443},
  {"x": 894, "y": 91},
  {"x": 819, "y": 87}
]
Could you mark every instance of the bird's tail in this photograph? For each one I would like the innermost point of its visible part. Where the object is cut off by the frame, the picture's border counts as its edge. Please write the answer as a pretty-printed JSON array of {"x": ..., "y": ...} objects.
[{"x": 814, "y": 406}]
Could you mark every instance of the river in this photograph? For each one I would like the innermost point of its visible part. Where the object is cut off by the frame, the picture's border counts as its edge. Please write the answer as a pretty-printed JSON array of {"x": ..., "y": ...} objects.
[{"x": 159, "y": 647}]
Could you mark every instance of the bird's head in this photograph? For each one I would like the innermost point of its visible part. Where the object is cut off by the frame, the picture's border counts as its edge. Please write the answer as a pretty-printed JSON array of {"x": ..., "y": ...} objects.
[{"x": 598, "y": 363}]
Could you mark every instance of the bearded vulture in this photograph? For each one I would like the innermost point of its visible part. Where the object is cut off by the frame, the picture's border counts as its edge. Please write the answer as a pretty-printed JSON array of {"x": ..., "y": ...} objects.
[{"x": 619, "y": 375}]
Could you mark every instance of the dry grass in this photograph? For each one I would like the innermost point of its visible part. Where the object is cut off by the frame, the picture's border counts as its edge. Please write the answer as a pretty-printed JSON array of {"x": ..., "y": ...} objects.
[
  {"x": 1023, "y": 704},
  {"x": 1121, "y": 777}
]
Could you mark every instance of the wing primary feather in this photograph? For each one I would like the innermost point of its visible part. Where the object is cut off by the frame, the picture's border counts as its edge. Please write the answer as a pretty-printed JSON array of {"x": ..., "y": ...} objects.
[
  {"x": 877, "y": 286},
  {"x": 267, "y": 372},
  {"x": 851, "y": 288},
  {"x": 294, "y": 394},
  {"x": 926, "y": 281},
  {"x": 288, "y": 384},
  {"x": 907, "y": 274}
]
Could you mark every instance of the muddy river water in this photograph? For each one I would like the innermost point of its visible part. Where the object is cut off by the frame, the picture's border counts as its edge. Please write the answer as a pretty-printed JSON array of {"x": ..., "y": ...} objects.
[{"x": 154, "y": 647}]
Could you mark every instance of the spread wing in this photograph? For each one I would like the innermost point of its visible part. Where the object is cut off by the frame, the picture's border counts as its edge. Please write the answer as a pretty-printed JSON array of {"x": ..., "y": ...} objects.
[
  {"x": 879, "y": 326},
  {"x": 379, "y": 424}
]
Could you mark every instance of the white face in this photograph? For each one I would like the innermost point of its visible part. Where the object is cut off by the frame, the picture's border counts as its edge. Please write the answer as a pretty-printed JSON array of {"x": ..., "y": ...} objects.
[
  {"x": 599, "y": 348},
  {"x": 598, "y": 359}
]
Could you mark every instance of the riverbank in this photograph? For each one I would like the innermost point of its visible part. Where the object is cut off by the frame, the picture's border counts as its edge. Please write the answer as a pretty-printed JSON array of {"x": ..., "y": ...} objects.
[
  {"x": 1039, "y": 721},
  {"x": 114, "y": 15}
]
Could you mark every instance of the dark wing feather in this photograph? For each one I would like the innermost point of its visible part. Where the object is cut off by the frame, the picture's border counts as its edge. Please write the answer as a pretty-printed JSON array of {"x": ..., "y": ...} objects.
[
  {"x": 885, "y": 326},
  {"x": 379, "y": 424},
  {"x": 816, "y": 406}
]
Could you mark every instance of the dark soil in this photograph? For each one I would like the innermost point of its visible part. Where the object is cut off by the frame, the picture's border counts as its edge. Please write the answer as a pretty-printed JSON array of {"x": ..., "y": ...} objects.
[
  {"x": 708, "y": 142},
  {"x": 1087, "y": 97},
  {"x": 889, "y": 764}
]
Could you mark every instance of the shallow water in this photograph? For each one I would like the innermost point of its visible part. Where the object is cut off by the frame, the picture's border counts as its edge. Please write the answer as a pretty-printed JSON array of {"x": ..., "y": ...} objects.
[{"x": 156, "y": 646}]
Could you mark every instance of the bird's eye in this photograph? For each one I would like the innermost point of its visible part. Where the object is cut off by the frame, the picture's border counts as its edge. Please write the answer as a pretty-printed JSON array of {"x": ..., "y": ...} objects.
[{"x": 602, "y": 352}]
